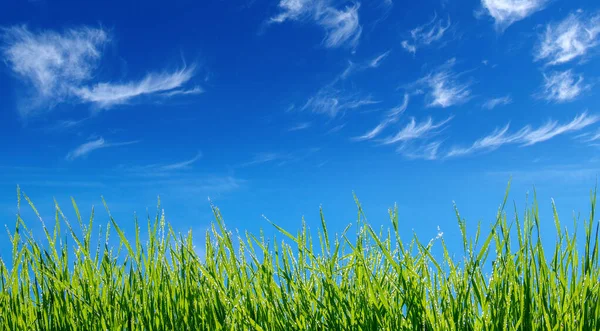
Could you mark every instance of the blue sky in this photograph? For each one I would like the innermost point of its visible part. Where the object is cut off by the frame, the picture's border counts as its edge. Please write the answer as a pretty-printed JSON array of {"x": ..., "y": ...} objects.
[{"x": 276, "y": 108}]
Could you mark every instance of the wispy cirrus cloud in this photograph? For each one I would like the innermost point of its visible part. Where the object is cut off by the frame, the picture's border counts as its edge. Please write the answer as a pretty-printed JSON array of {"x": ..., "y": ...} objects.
[
  {"x": 414, "y": 138},
  {"x": 280, "y": 158},
  {"x": 262, "y": 158},
  {"x": 160, "y": 169},
  {"x": 192, "y": 91},
  {"x": 90, "y": 146},
  {"x": 334, "y": 99},
  {"x": 414, "y": 130},
  {"x": 590, "y": 137},
  {"x": 552, "y": 129},
  {"x": 374, "y": 63},
  {"x": 569, "y": 39},
  {"x": 331, "y": 102},
  {"x": 443, "y": 87},
  {"x": 429, "y": 151},
  {"x": 495, "y": 102},
  {"x": 527, "y": 136},
  {"x": 61, "y": 67},
  {"x": 51, "y": 62},
  {"x": 563, "y": 86},
  {"x": 181, "y": 165},
  {"x": 300, "y": 126},
  {"x": 65, "y": 125},
  {"x": 106, "y": 95},
  {"x": 353, "y": 68},
  {"x": 491, "y": 142},
  {"x": 341, "y": 26},
  {"x": 391, "y": 117},
  {"x": 426, "y": 34},
  {"x": 336, "y": 128},
  {"x": 507, "y": 12}
]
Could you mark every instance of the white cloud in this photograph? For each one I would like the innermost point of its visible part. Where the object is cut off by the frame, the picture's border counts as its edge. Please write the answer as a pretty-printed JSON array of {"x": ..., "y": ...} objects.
[
  {"x": 396, "y": 111},
  {"x": 334, "y": 98},
  {"x": 491, "y": 142},
  {"x": 592, "y": 137},
  {"x": 90, "y": 146},
  {"x": 375, "y": 131},
  {"x": 181, "y": 165},
  {"x": 331, "y": 101},
  {"x": 342, "y": 26},
  {"x": 158, "y": 170},
  {"x": 507, "y": 12},
  {"x": 426, "y": 34},
  {"x": 281, "y": 158},
  {"x": 414, "y": 130},
  {"x": 553, "y": 129},
  {"x": 52, "y": 62},
  {"x": 193, "y": 91},
  {"x": 61, "y": 67},
  {"x": 526, "y": 136},
  {"x": 495, "y": 102},
  {"x": 336, "y": 128},
  {"x": 294, "y": 10},
  {"x": 377, "y": 61},
  {"x": 425, "y": 152},
  {"x": 107, "y": 94},
  {"x": 444, "y": 89},
  {"x": 350, "y": 69},
  {"x": 391, "y": 117},
  {"x": 563, "y": 86},
  {"x": 263, "y": 158},
  {"x": 371, "y": 64},
  {"x": 300, "y": 126},
  {"x": 64, "y": 125},
  {"x": 570, "y": 39},
  {"x": 408, "y": 47}
]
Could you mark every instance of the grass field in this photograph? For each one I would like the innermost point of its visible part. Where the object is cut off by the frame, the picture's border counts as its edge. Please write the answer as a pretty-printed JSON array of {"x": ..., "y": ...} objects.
[{"x": 308, "y": 281}]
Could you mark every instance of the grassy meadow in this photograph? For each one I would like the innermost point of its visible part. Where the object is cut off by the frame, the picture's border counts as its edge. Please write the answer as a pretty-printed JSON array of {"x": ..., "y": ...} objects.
[{"x": 374, "y": 279}]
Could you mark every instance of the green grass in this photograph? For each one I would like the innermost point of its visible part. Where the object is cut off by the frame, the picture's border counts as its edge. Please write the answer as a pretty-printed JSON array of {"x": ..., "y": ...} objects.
[{"x": 372, "y": 280}]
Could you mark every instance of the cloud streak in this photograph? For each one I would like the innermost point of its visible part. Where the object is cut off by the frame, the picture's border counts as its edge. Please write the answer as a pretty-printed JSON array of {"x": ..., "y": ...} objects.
[
  {"x": 507, "y": 12},
  {"x": 300, "y": 126},
  {"x": 444, "y": 88},
  {"x": 341, "y": 26},
  {"x": 570, "y": 39},
  {"x": 496, "y": 102},
  {"x": 61, "y": 67},
  {"x": 427, "y": 152},
  {"x": 332, "y": 101},
  {"x": 371, "y": 64},
  {"x": 52, "y": 63},
  {"x": 563, "y": 86},
  {"x": 591, "y": 137},
  {"x": 280, "y": 158},
  {"x": 160, "y": 170},
  {"x": 377, "y": 60},
  {"x": 426, "y": 34},
  {"x": 414, "y": 130},
  {"x": 527, "y": 136},
  {"x": 181, "y": 165},
  {"x": 106, "y": 95},
  {"x": 391, "y": 117},
  {"x": 90, "y": 146}
]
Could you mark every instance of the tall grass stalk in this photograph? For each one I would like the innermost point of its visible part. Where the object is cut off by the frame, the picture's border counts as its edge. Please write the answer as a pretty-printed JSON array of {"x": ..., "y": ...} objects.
[{"x": 374, "y": 280}]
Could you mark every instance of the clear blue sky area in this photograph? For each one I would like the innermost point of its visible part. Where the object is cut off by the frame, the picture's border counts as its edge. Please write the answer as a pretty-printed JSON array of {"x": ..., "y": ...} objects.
[{"x": 276, "y": 108}]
